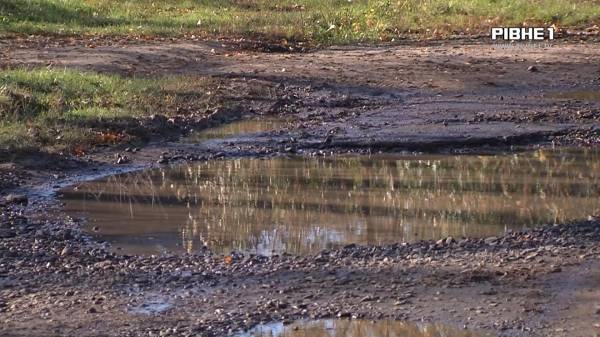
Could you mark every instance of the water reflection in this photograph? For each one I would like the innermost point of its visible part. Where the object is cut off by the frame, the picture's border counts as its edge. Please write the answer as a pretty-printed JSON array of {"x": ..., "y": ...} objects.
[
  {"x": 580, "y": 95},
  {"x": 302, "y": 205},
  {"x": 357, "y": 328},
  {"x": 241, "y": 127}
]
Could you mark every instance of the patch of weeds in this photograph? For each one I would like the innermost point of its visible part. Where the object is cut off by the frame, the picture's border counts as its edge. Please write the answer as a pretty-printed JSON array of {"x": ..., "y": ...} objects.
[{"x": 57, "y": 109}]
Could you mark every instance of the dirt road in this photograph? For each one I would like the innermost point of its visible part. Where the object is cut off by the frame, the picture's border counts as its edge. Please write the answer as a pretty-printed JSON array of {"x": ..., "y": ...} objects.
[
  {"x": 442, "y": 95},
  {"x": 448, "y": 96}
]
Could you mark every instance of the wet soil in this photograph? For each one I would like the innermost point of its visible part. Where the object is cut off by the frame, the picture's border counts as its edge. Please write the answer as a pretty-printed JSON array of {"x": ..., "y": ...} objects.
[
  {"x": 534, "y": 283},
  {"x": 443, "y": 97},
  {"x": 439, "y": 97}
]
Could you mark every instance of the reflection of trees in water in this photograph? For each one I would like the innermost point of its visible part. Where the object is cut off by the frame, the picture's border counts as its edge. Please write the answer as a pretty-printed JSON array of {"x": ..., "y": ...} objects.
[
  {"x": 309, "y": 204},
  {"x": 357, "y": 328}
]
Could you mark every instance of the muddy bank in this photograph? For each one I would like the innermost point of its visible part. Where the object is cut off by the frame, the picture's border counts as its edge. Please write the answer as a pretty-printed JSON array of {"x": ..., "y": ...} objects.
[{"x": 54, "y": 280}]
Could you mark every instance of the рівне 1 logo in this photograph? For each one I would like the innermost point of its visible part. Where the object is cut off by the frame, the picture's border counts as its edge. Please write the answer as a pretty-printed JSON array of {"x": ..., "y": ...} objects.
[{"x": 522, "y": 33}]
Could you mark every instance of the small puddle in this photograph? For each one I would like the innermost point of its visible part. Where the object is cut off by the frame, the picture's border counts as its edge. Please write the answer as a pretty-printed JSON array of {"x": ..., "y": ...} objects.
[
  {"x": 357, "y": 328},
  {"x": 152, "y": 306},
  {"x": 238, "y": 128},
  {"x": 580, "y": 95},
  {"x": 303, "y": 205}
]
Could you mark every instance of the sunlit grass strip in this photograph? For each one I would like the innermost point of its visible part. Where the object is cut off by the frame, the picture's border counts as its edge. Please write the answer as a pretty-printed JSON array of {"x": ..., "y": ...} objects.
[
  {"x": 51, "y": 107},
  {"x": 320, "y": 21}
]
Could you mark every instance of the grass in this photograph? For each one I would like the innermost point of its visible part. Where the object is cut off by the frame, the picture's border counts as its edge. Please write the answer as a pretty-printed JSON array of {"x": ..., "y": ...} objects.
[
  {"x": 318, "y": 21},
  {"x": 68, "y": 109}
]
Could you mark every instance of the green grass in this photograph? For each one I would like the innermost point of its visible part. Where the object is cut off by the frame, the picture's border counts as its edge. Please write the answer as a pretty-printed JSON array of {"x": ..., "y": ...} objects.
[
  {"x": 58, "y": 109},
  {"x": 318, "y": 21}
]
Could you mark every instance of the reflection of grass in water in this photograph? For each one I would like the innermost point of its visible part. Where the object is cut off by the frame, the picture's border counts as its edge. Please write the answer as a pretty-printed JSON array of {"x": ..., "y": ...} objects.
[
  {"x": 236, "y": 128},
  {"x": 394, "y": 198},
  {"x": 581, "y": 95},
  {"x": 357, "y": 328}
]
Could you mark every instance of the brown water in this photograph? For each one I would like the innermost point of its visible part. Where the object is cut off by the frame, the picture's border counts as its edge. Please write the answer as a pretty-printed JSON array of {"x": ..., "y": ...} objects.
[
  {"x": 236, "y": 128},
  {"x": 304, "y": 205},
  {"x": 357, "y": 328},
  {"x": 580, "y": 95}
]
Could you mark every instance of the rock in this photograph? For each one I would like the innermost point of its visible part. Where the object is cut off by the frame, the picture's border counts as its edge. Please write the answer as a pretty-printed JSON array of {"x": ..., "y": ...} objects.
[
  {"x": 369, "y": 299},
  {"x": 163, "y": 159},
  {"x": 491, "y": 240},
  {"x": 16, "y": 199},
  {"x": 123, "y": 160},
  {"x": 444, "y": 242},
  {"x": 92, "y": 310},
  {"x": 66, "y": 251},
  {"x": 532, "y": 69}
]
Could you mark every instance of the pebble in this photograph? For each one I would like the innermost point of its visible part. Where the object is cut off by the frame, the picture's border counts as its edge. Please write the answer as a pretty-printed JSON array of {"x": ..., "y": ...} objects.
[
  {"x": 123, "y": 160},
  {"x": 16, "y": 199},
  {"x": 66, "y": 251}
]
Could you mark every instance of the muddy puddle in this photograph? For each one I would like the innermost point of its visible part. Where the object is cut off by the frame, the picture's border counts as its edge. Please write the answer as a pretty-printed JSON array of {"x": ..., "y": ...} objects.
[
  {"x": 357, "y": 328},
  {"x": 152, "y": 306},
  {"x": 238, "y": 128},
  {"x": 579, "y": 95},
  {"x": 303, "y": 205}
]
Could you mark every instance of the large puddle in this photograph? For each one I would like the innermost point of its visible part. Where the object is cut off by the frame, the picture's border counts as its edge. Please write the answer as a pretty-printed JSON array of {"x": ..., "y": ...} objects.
[
  {"x": 303, "y": 205},
  {"x": 357, "y": 328}
]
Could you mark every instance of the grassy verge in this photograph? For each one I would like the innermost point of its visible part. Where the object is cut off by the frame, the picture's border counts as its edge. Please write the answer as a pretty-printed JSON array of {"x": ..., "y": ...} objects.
[
  {"x": 66, "y": 109},
  {"x": 318, "y": 21}
]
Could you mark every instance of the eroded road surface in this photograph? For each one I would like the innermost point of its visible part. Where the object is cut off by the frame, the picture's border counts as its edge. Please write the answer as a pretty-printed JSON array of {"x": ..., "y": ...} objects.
[{"x": 432, "y": 97}]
